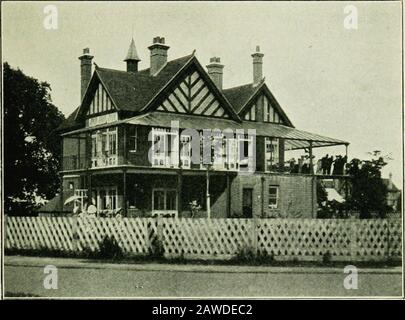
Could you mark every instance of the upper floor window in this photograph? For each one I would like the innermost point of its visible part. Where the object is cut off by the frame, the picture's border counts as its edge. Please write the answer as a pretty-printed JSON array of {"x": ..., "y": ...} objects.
[
  {"x": 165, "y": 144},
  {"x": 104, "y": 147},
  {"x": 271, "y": 153},
  {"x": 133, "y": 138}
]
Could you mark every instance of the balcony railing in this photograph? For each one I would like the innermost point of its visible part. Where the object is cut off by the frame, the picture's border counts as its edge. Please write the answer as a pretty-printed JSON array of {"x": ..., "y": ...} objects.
[
  {"x": 98, "y": 161},
  {"x": 74, "y": 162}
]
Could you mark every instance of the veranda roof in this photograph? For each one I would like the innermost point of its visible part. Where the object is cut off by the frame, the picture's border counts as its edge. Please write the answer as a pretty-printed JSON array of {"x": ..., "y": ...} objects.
[{"x": 295, "y": 139}]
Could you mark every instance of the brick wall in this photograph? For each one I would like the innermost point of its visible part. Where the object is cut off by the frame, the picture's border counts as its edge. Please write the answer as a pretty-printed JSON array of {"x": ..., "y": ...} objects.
[{"x": 296, "y": 195}]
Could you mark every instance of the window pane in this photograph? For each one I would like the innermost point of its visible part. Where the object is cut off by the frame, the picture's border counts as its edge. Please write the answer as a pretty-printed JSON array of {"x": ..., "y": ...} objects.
[
  {"x": 272, "y": 202},
  {"x": 171, "y": 200},
  {"x": 158, "y": 200},
  {"x": 273, "y": 191}
]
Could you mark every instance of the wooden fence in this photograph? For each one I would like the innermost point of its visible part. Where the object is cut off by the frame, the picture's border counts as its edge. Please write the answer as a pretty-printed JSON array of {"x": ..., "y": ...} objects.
[{"x": 285, "y": 239}]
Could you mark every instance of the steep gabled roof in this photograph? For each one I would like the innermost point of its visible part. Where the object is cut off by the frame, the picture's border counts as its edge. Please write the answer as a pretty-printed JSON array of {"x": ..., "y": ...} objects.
[
  {"x": 133, "y": 91},
  {"x": 240, "y": 95},
  {"x": 244, "y": 96},
  {"x": 138, "y": 92},
  {"x": 390, "y": 185},
  {"x": 129, "y": 91},
  {"x": 70, "y": 122}
]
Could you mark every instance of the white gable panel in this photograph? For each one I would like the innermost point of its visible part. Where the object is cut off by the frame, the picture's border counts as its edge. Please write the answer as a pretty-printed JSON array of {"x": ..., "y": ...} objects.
[
  {"x": 101, "y": 102},
  {"x": 193, "y": 96}
]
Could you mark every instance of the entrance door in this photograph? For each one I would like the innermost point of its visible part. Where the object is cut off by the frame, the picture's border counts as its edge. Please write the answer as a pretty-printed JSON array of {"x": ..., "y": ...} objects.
[{"x": 247, "y": 202}]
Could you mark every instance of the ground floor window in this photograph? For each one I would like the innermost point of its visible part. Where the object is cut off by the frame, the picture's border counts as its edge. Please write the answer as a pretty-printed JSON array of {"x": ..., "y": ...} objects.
[
  {"x": 164, "y": 201},
  {"x": 273, "y": 196},
  {"x": 106, "y": 198}
]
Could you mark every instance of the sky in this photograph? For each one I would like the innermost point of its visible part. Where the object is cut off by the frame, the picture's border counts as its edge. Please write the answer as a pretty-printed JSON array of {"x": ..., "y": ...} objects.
[{"x": 338, "y": 82}]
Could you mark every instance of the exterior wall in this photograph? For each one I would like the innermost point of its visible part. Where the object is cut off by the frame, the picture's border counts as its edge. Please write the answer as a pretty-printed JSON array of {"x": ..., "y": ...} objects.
[
  {"x": 297, "y": 194},
  {"x": 140, "y": 157},
  {"x": 297, "y": 197}
]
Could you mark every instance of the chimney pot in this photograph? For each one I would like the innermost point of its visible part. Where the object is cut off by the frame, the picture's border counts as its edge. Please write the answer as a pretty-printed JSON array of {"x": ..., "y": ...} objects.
[
  {"x": 85, "y": 71},
  {"x": 215, "y": 71},
  {"x": 257, "y": 66},
  {"x": 158, "y": 54}
]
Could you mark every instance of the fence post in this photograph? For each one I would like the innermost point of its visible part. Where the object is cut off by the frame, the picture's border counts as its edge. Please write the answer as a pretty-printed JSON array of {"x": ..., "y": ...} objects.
[
  {"x": 159, "y": 229},
  {"x": 254, "y": 234},
  {"x": 353, "y": 240},
  {"x": 388, "y": 239},
  {"x": 6, "y": 242},
  {"x": 75, "y": 233}
]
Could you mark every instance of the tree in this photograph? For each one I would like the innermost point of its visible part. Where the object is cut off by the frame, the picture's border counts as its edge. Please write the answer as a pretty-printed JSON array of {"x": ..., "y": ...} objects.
[
  {"x": 31, "y": 146},
  {"x": 369, "y": 193}
]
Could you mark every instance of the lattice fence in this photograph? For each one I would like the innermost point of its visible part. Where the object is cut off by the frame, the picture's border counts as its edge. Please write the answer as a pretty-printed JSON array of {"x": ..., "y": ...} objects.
[
  {"x": 75, "y": 234},
  {"x": 301, "y": 239}
]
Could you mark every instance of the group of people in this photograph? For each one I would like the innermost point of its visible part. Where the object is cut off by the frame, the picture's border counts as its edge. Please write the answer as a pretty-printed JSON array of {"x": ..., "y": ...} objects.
[
  {"x": 326, "y": 165},
  {"x": 303, "y": 165}
]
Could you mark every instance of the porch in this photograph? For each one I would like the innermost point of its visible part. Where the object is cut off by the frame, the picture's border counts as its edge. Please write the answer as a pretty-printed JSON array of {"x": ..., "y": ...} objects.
[{"x": 148, "y": 193}]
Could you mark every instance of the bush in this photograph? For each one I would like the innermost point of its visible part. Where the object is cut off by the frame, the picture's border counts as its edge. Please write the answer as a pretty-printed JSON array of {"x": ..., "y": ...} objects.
[
  {"x": 326, "y": 258},
  {"x": 247, "y": 255},
  {"x": 109, "y": 249},
  {"x": 157, "y": 250}
]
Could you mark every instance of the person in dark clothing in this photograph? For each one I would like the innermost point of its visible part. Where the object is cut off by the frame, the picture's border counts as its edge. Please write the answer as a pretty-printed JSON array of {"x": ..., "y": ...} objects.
[
  {"x": 329, "y": 162},
  {"x": 344, "y": 161},
  {"x": 336, "y": 165},
  {"x": 324, "y": 164},
  {"x": 292, "y": 165}
]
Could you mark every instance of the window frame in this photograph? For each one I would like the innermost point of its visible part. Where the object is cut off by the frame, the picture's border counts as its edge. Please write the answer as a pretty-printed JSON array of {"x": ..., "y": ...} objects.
[
  {"x": 272, "y": 197},
  {"x": 133, "y": 148},
  {"x": 277, "y": 148},
  {"x": 165, "y": 191}
]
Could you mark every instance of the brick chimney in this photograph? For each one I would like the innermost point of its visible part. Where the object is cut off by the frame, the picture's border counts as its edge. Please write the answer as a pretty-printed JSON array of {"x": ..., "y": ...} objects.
[
  {"x": 132, "y": 58},
  {"x": 158, "y": 55},
  {"x": 85, "y": 71},
  {"x": 257, "y": 66},
  {"x": 215, "y": 71}
]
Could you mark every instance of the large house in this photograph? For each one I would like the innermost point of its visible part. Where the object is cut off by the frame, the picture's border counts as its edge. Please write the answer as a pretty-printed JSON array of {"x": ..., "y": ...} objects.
[{"x": 138, "y": 142}]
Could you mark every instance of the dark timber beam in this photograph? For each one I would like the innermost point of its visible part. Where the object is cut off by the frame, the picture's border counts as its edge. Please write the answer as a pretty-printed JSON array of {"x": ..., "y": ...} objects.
[
  {"x": 228, "y": 196},
  {"x": 179, "y": 191},
  {"x": 124, "y": 181}
]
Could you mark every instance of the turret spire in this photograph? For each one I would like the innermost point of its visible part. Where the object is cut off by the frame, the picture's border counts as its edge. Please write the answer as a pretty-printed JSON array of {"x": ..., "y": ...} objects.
[{"x": 132, "y": 58}]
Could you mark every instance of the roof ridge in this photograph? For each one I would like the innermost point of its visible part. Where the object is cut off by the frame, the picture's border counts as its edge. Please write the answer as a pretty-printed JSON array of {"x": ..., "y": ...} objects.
[
  {"x": 143, "y": 70},
  {"x": 239, "y": 86}
]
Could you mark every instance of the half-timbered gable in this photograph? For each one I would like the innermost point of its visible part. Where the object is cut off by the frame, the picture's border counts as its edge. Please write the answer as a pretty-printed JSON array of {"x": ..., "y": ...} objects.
[
  {"x": 194, "y": 94},
  {"x": 257, "y": 103},
  {"x": 97, "y": 106},
  {"x": 270, "y": 113},
  {"x": 101, "y": 102}
]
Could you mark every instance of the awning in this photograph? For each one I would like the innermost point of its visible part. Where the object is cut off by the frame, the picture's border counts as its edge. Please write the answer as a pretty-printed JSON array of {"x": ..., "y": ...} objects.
[{"x": 295, "y": 139}]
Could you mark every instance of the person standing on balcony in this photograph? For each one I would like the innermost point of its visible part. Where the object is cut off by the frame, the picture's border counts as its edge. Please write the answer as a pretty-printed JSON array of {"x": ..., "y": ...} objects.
[
  {"x": 324, "y": 162},
  {"x": 319, "y": 167},
  {"x": 329, "y": 165}
]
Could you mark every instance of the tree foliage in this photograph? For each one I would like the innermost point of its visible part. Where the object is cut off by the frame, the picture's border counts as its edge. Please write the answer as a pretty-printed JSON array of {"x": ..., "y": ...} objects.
[
  {"x": 31, "y": 146},
  {"x": 369, "y": 193}
]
